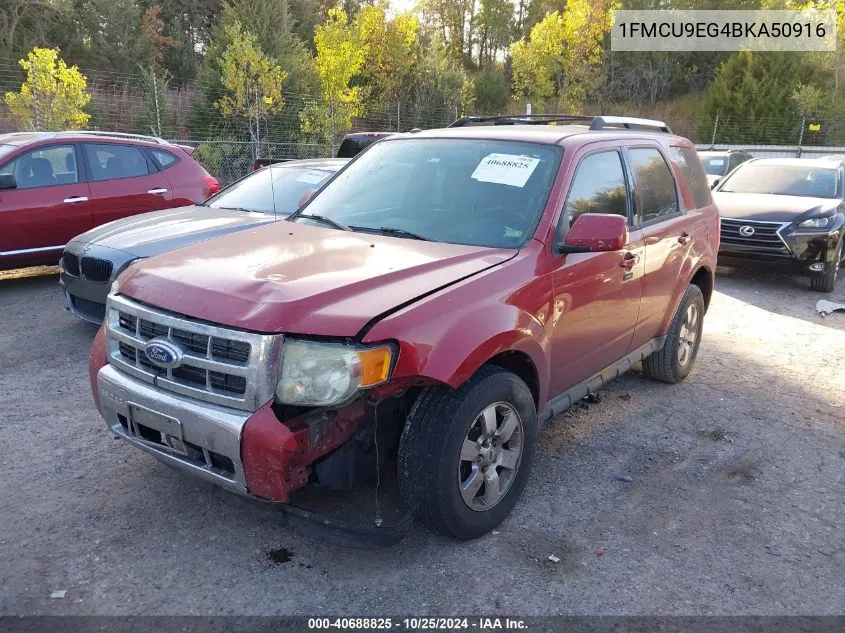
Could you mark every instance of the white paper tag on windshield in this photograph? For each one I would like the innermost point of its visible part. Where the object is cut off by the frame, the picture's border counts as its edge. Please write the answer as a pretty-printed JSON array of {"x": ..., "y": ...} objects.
[
  {"x": 313, "y": 177},
  {"x": 717, "y": 162},
  {"x": 505, "y": 169}
]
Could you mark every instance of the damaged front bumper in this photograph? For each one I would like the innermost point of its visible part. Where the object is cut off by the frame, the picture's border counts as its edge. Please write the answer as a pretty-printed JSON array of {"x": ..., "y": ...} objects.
[{"x": 251, "y": 454}]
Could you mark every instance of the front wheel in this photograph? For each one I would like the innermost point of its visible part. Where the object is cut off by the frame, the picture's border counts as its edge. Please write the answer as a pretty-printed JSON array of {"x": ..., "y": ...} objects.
[
  {"x": 465, "y": 454},
  {"x": 674, "y": 361},
  {"x": 827, "y": 281}
]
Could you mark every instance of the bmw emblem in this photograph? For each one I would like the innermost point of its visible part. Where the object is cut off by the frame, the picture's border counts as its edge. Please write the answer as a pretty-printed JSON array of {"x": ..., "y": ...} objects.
[
  {"x": 163, "y": 353},
  {"x": 746, "y": 231}
]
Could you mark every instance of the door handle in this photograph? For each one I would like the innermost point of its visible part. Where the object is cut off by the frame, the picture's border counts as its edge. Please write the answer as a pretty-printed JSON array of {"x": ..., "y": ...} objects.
[
  {"x": 76, "y": 199},
  {"x": 684, "y": 238},
  {"x": 629, "y": 261},
  {"x": 158, "y": 191}
]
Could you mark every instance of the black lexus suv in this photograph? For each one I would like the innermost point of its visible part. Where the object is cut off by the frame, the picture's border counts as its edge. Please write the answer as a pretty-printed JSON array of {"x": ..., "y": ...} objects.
[{"x": 787, "y": 214}]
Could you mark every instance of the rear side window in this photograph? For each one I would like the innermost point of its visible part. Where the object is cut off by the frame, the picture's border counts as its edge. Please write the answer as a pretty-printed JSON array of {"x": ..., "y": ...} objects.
[
  {"x": 598, "y": 187},
  {"x": 687, "y": 160},
  {"x": 44, "y": 167},
  {"x": 162, "y": 158},
  {"x": 655, "y": 185},
  {"x": 109, "y": 162}
]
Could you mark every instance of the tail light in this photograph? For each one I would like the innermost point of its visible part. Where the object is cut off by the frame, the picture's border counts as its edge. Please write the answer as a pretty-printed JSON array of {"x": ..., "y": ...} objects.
[
  {"x": 256, "y": 164},
  {"x": 212, "y": 186}
]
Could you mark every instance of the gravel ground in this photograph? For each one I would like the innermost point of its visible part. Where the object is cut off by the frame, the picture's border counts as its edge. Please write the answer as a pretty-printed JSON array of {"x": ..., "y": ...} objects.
[{"x": 735, "y": 504}]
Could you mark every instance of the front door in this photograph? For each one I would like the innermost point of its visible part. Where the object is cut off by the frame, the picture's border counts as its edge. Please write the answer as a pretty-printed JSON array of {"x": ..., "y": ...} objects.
[
  {"x": 596, "y": 295},
  {"x": 49, "y": 206}
]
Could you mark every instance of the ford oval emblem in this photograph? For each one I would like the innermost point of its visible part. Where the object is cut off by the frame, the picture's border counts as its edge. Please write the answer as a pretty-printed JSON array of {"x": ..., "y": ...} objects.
[{"x": 163, "y": 353}]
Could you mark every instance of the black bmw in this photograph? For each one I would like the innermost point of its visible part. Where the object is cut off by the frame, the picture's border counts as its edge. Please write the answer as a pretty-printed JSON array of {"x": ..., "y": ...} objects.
[{"x": 785, "y": 213}]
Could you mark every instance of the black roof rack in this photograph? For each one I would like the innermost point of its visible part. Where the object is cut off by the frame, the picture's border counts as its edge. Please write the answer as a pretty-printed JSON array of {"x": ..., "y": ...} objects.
[{"x": 594, "y": 122}]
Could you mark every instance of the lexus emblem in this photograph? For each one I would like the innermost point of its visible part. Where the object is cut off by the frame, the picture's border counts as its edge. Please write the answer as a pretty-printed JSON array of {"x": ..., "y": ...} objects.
[{"x": 746, "y": 231}]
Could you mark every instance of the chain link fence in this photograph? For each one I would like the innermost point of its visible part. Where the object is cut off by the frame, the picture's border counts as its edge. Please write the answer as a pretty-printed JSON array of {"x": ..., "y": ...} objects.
[{"x": 185, "y": 113}]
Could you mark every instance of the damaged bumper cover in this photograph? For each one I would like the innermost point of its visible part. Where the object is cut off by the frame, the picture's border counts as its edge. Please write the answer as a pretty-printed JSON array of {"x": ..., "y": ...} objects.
[{"x": 251, "y": 454}]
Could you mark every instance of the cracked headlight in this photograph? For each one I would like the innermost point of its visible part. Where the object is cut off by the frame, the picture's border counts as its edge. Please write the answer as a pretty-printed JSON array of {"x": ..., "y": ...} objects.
[
  {"x": 325, "y": 374},
  {"x": 817, "y": 223}
]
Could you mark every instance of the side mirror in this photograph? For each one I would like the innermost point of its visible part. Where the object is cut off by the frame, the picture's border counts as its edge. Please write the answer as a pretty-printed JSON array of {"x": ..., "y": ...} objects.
[
  {"x": 305, "y": 198},
  {"x": 594, "y": 233},
  {"x": 715, "y": 182},
  {"x": 7, "y": 181}
]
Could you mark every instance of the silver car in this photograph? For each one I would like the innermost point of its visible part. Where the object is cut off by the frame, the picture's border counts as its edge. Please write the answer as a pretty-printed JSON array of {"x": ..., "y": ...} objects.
[{"x": 93, "y": 260}]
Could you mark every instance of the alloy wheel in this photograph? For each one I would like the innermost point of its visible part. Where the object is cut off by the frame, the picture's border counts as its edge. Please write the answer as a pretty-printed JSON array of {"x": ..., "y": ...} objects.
[{"x": 490, "y": 456}]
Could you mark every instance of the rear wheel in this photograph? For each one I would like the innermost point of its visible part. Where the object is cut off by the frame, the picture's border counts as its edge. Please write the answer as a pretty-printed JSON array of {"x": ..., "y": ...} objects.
[
  {"x": 674, "y": 361},
  {"x": 465, "y": 454},
  {"x": 827, "y": 281}
]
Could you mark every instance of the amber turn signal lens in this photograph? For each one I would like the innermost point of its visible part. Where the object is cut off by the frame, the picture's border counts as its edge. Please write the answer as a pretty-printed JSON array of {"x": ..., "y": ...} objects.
[{"x": 375, "y": 365}]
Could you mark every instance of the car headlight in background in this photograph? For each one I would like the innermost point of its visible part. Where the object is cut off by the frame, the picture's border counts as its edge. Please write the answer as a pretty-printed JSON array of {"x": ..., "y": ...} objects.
[
  {"x": 817, "y": 223},
  {"x": 324, "y": 374}
]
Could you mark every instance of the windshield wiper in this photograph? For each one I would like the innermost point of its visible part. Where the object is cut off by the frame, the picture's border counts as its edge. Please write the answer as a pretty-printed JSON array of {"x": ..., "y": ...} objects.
[
  {"x": 323, "y": 219},
  {"x": 393, "y": 231}
]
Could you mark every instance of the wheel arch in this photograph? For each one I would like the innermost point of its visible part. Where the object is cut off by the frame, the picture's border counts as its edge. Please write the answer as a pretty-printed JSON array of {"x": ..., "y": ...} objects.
[{"x": 703, "y": 278}]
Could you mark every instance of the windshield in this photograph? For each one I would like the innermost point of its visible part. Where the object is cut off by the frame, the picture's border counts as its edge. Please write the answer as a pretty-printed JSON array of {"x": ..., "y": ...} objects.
[
  {"x": 715, "y": 166},
  {"x": 476, "y": 192},
  {"x": 281, "y": 195},
  {"x": 6, "y": 149},
  {"x": 784, "y": 180}
]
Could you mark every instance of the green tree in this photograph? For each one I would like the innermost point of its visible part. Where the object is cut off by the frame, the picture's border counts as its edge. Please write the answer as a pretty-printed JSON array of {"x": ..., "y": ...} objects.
[
  {"x": 387, "y": 46},
  {"x": 252, "y": 82},
  {"x": 494, "y": 24},
  {"x": 339, "y": 58},
  {"x": 751, "y": 95},
  {"x": 53, "y": 97},
  {"x": 563, "y": 55}
]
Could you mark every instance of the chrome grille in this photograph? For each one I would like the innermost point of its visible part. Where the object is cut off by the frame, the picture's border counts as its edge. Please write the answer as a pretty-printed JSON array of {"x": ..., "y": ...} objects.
[
  {"x": 95, "y": 269},
  {"x": 765, "y": 238},
  {"x": 220, "y": 365},
  {"x": 71, "y": 264}
]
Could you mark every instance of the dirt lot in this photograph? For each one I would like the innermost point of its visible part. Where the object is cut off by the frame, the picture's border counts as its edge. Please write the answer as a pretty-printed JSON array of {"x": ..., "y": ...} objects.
[{"x": 735, "y": 504}]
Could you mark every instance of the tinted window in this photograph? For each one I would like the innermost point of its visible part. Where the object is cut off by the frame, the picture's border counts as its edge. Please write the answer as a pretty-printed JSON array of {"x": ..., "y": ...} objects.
[
  {"x": 43, "y": 167},
  {"x": 656, "y": 194},
  {"x": 784, "y": 180},
  {"x": 164, "y": 159},
  {"x": 687, "y": 159},
  {"x": 353, "y": 145},
  {"x": 479, "y": 192},
  {"x": 280, "y": 196},
  {"x": 598, "y": 187},
  {"x": 109, "y": 162}
]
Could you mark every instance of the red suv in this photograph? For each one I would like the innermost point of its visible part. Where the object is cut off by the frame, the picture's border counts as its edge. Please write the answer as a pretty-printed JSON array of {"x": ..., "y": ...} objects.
[
  {"x": 54, "y": 186},
  {"x": 437, "y": 300}
]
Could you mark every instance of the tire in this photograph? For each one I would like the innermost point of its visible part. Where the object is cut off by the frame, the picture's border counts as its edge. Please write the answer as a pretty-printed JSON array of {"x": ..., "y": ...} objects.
[
  {"x": 443, "y": 447},
  {"x": 827, "y": 281},
  {"x": 674, "y": 361}
]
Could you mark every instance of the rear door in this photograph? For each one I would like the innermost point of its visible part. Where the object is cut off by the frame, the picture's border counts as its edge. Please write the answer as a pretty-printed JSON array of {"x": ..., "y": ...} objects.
[
  {"x": 596, "y": 295},
  {"x": 124, "y": 181},
  {"x": 49, "y": 206},
  {"x": 667, "y": 233}
]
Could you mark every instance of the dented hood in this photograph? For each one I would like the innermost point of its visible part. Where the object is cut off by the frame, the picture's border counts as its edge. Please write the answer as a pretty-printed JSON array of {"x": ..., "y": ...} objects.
[{"x": 295, "y": 278}]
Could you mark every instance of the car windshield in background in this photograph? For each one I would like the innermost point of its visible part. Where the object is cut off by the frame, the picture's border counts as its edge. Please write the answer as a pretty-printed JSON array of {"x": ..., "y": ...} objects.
[
  {"x": 274, "y": 190},
  {"x": 477, "y": 192},
  {"x": 6, "y": 149},
  {"x": 715, "y": 166},
  {"x": 784, "y": 180}
]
